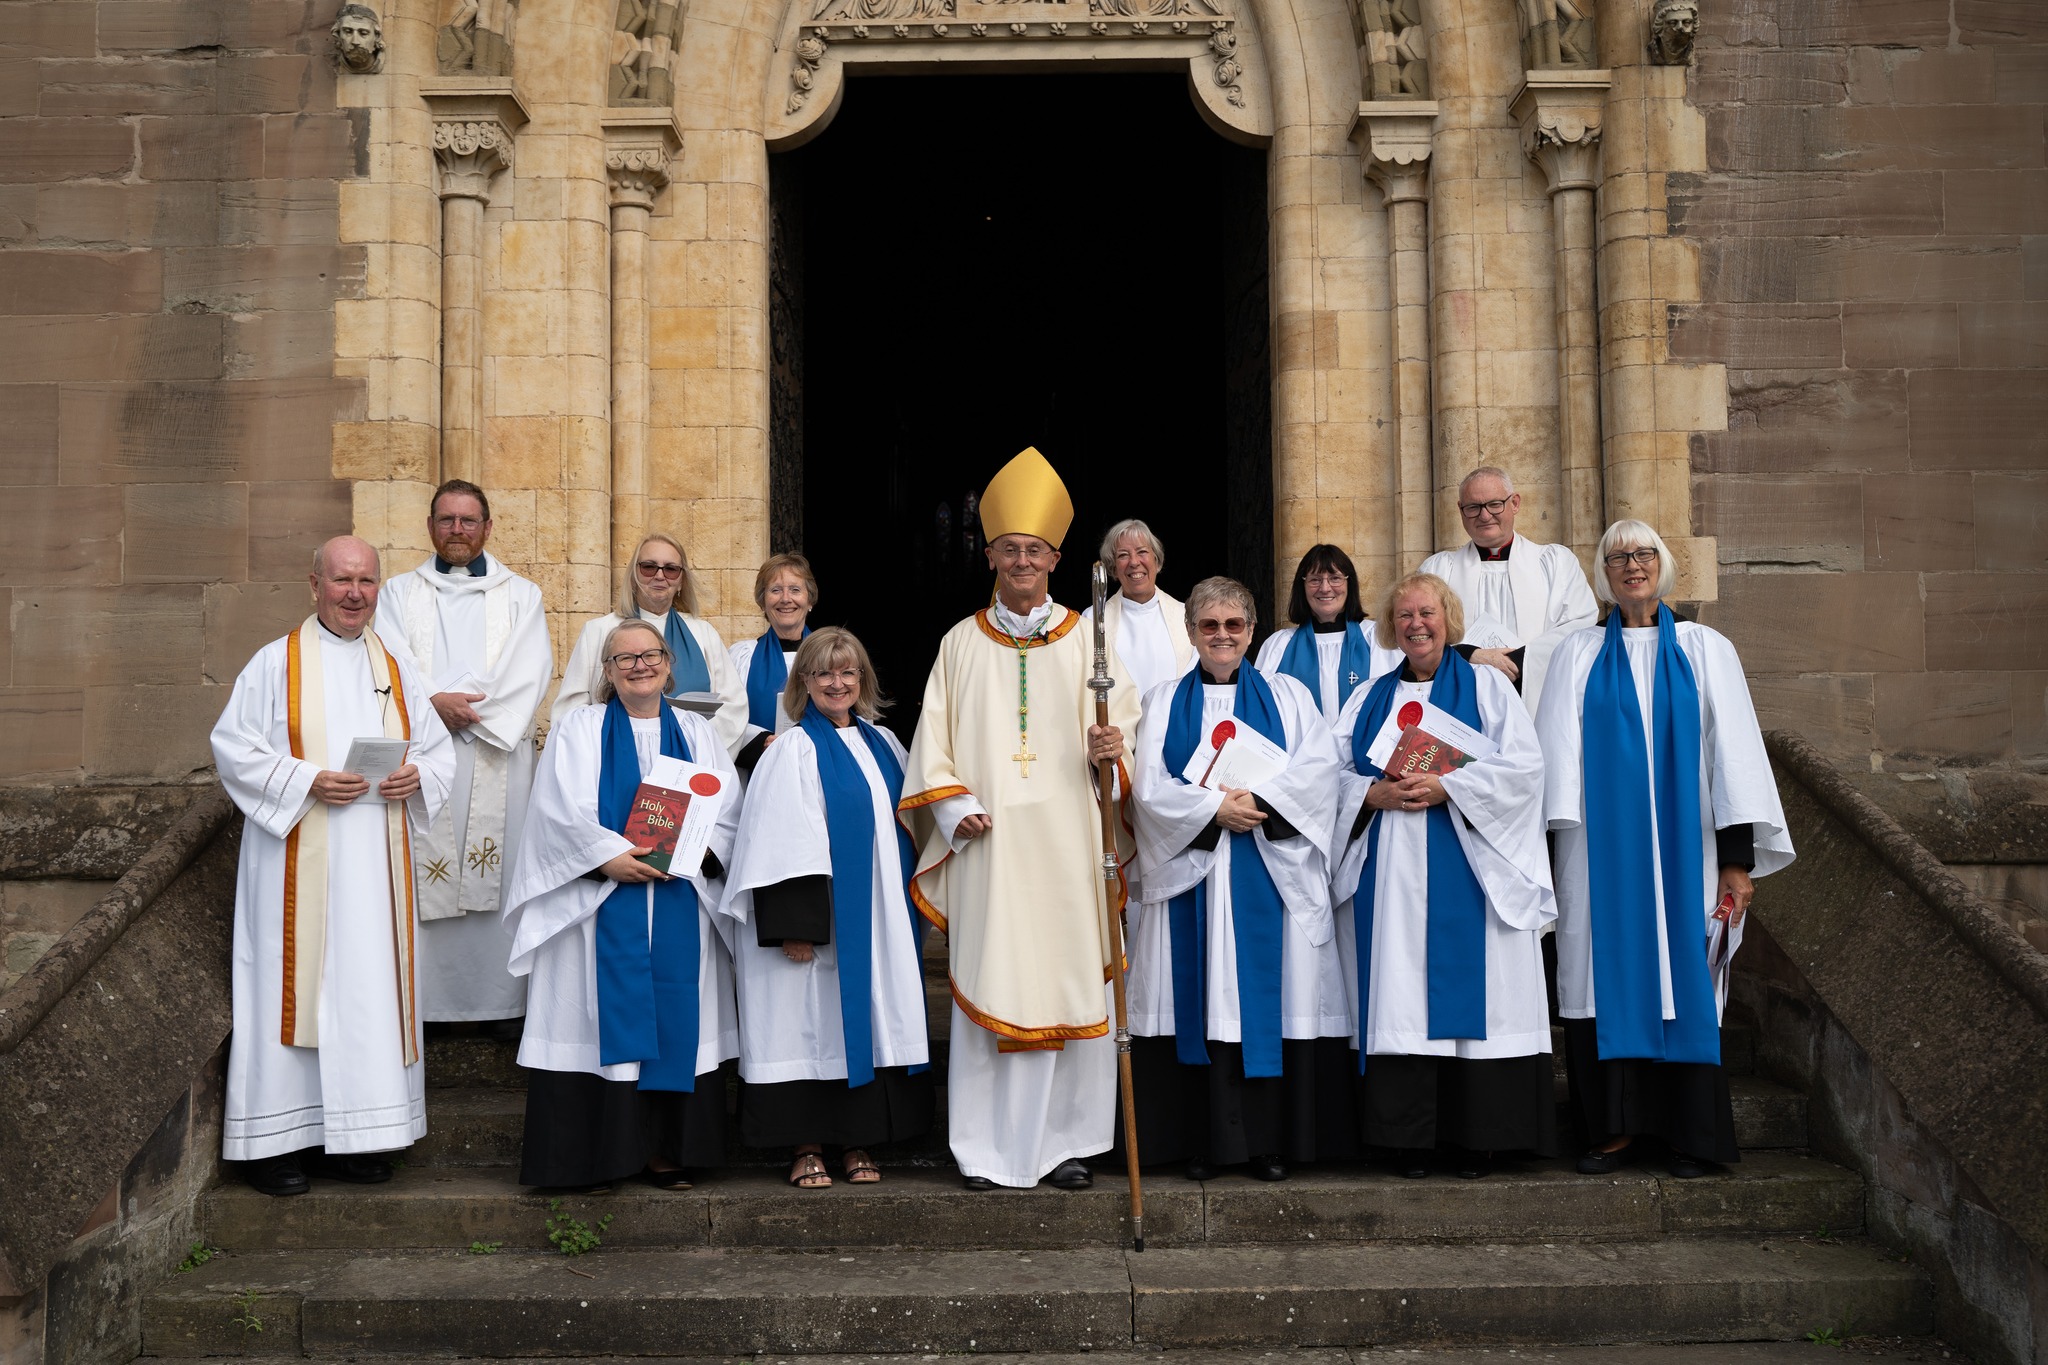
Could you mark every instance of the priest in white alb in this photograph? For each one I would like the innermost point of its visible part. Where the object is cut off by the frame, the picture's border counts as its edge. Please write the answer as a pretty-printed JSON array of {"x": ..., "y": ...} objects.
[
  {"x": 1242, "y": 1024},
  {"x": 1443, "y": 888},
  {"x": 324, "y": 1067},
  {"x": 1000, "y": 795},
  {"x": 1521, "y": 598},
  {"x": 479, "y": 636}
]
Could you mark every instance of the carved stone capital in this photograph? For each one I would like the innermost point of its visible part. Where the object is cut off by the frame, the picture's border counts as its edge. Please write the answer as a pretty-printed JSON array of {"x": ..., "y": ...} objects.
[
  {"x": 474, "y": 121},
  {"x": 638, "y": 148},
  {"x": 1396, "y": 136},
  {"x": 1559, "y": 113}
]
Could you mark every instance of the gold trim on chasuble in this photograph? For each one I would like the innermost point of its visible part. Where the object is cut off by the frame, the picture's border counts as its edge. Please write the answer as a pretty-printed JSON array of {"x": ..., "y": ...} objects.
[{"x": 296, "y": 740}]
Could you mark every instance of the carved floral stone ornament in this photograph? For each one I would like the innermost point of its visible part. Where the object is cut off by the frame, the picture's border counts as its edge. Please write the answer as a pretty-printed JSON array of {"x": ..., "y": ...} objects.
[
  {"x": 810, "y": 50},
  {"x": 1674, "y": 24},
  {"x": 470, "y": 152},
  {"x": 358, "y": 36},
  {"x": 636, "y": 173}
]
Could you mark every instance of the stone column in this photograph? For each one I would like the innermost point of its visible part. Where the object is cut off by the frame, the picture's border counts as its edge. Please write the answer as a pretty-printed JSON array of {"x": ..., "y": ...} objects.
[
  {"x": 638, "y": 149},
  {"x": 1397, "y": 135},
  {"x": 1559, "y": 113},
  {"x": 474, "y": 120}
]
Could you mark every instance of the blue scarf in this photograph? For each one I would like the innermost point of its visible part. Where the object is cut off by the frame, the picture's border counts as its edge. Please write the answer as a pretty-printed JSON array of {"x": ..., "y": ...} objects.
[
  {"x": 1456, "y": 944},
  {"x": 646, "y": 991},
  {"x": 850, "y": 829},
  {"x": 1627, "y": 991},
  {"x": 767, "y": 672},
  {"x": 1256, "y": 913},
  {"x": 686, "y": 658},
  {"x": 1301, "y": 661}
]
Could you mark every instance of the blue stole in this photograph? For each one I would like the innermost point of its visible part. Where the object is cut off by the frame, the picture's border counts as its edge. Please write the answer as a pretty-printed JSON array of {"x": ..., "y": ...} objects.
[
  {"x": 1301, "y": 661},
  {"x": 689, "y": 672},
  {"x": 850, "y": 830},
  {"x": 646, "y": 990},
  {"x": 1627, "y": 992},
  {"x": 767, "y": 672},
  {"x": 1456, "y": 945},
  {"x": 1256, "y": 913}
]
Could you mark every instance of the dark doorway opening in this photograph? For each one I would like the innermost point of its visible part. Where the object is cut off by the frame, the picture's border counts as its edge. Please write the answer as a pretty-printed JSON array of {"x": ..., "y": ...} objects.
[{"x": 956, "y": 275}]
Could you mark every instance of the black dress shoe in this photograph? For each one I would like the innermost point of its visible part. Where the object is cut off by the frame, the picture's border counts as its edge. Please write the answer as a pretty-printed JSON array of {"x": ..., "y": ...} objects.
[
  {"x": 1606, "y": 1163},
  {"x": 1412, "y": 1164},
  {"x": 277, "y": 1175},
  {"x": 1200, "y": 1169},
  {"x": 1684, "y": 1167},
  {"x": 1475, "y": 1165},
  {"x": 1268, "y": 1167},
  {"x": 1070, "y": 1175},
  {"x": 978, "y": 1182},
  {"x": 355, "y": 1168}
]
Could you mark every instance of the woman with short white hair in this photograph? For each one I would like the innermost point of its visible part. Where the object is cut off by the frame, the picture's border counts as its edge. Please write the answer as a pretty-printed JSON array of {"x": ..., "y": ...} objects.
[
  {"x": 1146, "y": 625},
  {"x": 1664, "y": 809}
]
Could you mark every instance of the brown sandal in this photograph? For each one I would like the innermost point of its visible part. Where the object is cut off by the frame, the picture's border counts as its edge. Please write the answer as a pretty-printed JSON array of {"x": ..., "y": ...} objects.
[
  {"x": 860, "y": 1168},
  {"x": 808, "y": 1172}
]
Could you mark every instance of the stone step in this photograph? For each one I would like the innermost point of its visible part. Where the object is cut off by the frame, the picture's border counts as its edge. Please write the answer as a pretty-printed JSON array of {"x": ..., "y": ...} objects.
[
  {"x": 718, "y": 1302},
  {"x": 1799, "y": 1352},
  {"x": 449, "y": 1208},
  {"x": 474, "y": 1127}
]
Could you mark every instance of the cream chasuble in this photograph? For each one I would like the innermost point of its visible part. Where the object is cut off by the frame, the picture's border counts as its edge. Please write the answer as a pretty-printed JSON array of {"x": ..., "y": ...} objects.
[{"x": 1022, "y": 906}]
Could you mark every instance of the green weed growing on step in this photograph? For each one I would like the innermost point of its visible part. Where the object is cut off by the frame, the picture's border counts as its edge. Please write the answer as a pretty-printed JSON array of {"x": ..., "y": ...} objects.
[
  {"x": 1837, "y": 1335},
  {"x": 1823, "y": 1236},
  {"x": 484, "y": 1248},
  {"x": 573, "y": 1236},
  {"x": 246, "y": 1319},
  {"x": 198, "y": 1255}
]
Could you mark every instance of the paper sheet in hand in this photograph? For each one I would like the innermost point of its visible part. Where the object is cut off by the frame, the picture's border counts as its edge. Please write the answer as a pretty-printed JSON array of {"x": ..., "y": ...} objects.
[
  {"x": 705, "y": 704},
  {"x": 1434, "y": 721},
  {"x": 1235, "y": 756},
  {"x": 375, "y": 758},
  {"x": 674, "y": 811}
]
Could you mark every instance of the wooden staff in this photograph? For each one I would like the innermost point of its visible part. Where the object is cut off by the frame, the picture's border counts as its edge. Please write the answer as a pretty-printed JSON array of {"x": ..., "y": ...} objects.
[{"x": 1105, "y": 777}]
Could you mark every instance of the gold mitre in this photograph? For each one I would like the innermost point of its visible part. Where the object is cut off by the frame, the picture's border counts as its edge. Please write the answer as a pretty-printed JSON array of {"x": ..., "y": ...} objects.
[{"x": 1026, "y": 498}]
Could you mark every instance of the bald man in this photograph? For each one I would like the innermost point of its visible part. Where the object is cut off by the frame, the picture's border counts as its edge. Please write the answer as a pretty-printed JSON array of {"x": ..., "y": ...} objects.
[{"x": 333, "y": 751}]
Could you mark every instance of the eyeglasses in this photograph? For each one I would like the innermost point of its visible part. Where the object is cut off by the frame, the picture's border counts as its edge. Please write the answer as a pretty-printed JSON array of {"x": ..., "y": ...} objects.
[
  {"x": 647, "y": 658},
  {"x": 651, "y": 567},
  {"x": 458, "y": 523},
  {"x": 1620, "y": 559},
  {"x": 1492, "y": 509},
  {"x": 1235, "y": 625},
  {"x": 849, "y": 676},
  {"x": 1326, "y": 580}
]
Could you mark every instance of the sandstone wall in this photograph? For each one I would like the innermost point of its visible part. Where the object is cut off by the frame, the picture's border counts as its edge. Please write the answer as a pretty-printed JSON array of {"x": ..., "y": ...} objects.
[
  {"x": 168, "y": 271},
  {"x": 1873, "y": 233}
]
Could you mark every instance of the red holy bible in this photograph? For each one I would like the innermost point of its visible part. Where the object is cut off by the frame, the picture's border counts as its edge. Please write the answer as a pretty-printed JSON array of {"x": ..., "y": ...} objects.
[
  {"x": 656, "y": 823},
  {"x": 1420, "y": 752}
]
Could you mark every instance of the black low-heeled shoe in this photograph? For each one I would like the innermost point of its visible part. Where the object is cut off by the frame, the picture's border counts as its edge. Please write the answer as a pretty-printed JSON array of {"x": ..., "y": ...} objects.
[
  {"x": 352, "y": 1168},
  {"x": 1200, "y": 1169},
  {"x": 1268, "y": 1167},
  {"x": 1412, "y": 1165},
  {"x": 1475, "y": 1165},
  {"x": 977, "y": 1182},
  {"x": 276, "y": 1175},
  {"x": 1606, "y": 1163},
  {"x": 1070, "y": 1175},
  {"x": 1685, "y": 1167}
]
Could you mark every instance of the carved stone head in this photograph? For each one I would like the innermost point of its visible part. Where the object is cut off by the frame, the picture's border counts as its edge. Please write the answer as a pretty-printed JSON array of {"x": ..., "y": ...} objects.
[
  {"x": 359, "y": 39},
  {"x": 1673, "y": 26}
]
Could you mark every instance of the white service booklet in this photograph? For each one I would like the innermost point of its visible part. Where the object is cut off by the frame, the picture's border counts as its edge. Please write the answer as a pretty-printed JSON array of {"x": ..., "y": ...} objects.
[
  {"x": 705, "y": 704},
  {"x": 1236, "y": 756},
  {"x": 375, "y": 758},
  {"x": 708, "y": 792},
  {"x": 1433, "y": 721}
]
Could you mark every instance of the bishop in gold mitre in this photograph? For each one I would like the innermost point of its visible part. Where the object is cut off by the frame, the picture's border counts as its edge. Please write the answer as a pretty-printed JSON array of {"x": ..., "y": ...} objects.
[{"x": 1000, "y": 795}]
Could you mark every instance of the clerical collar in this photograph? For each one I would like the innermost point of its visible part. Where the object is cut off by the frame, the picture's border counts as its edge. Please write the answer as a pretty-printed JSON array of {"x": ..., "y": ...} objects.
[
  {"x": 1019, "y": 627},
  {"x": 338, "y": 638},
  {"x": 790, "y": 646},
  {"x": 1500, "y": 555},
  {"x": 1331, "y": 627},
  {"x": 1211, "y": 680},
  {"x": 476, "y": 568},
  {"x": 1149, "y": 604}
]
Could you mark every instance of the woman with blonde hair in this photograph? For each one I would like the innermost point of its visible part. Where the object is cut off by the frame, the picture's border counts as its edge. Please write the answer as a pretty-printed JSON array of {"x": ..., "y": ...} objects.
[
  {"x": 786, "y": 591},
  {"x": 657, "y": 587},
  {"x": 833, "y": 1036}
]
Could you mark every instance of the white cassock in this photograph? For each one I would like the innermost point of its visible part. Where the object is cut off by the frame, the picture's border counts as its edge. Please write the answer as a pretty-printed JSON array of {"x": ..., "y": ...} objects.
[
  {"x": 1736, "y": 788},
  {"x": 1329, "y": 653},
  {"x": 741, "y": 656},
  {"x": 790, "y": 1025},
  {"x": 1496, "y": 808},
  {"x": 491, "y": 629},
  {"x": 1149, "y": 639},
  {"x": 355, "y": 1094},
  {"x": 1171, "y": 813},
  {"x": 1023, "y": 906},
  {"x": 583, "y": 672},
  {"x": 1531, "y": 600},
  {"x": 551, "y": 907}
]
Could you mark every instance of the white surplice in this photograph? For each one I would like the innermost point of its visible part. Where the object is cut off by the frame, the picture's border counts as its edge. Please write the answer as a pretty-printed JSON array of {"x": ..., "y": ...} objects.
[
  {"x": 1171, "y": 813},
  {"x": 1150, "y": 639},
  {"x": 1496, "y": 808},
  {"x": 492, "y": 627},
  {"x": 1536, "y": 597},
  {"x": 1736, "y": 788},
  {"x": 1329, "y": 654},
  {"x": 584, "y": 671},
  {"x": 551, "y": 907},
  {"x": 790, "y": 1025},
  {"x": 355, "y": 1093},
  {"x": 741, "y": 656}
]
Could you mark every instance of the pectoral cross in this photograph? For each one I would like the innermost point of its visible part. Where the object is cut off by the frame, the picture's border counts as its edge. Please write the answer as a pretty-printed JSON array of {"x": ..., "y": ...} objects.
[{"x": 1023, "y": 758}]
